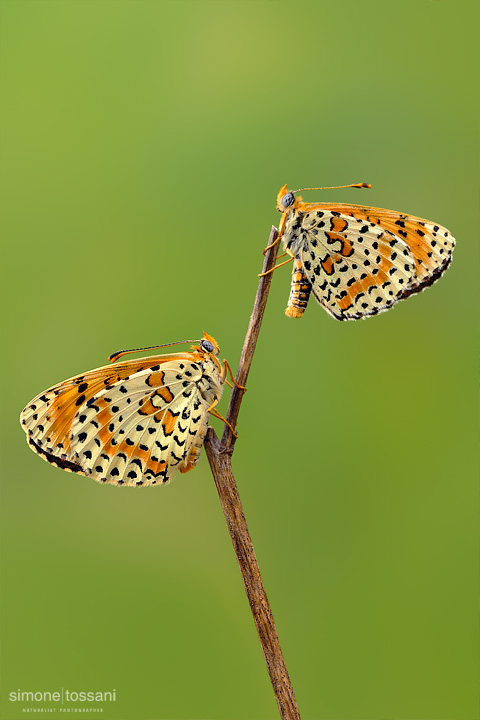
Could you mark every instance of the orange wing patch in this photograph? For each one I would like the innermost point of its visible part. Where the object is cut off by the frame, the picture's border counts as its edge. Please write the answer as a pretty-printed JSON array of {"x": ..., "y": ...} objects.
[
  {"x": 339, "y": 224},
  {"x": 327, "y": 265}
]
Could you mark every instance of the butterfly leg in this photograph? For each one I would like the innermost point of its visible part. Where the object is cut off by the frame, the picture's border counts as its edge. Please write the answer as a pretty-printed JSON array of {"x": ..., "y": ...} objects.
[
  {"x": 216, "y": 414},
  {"x": 280, "y": 233},
  {"x": 299, "y": 292},
  {"x": 277, "y": 266},
  {"x": 226, "y": 366}
]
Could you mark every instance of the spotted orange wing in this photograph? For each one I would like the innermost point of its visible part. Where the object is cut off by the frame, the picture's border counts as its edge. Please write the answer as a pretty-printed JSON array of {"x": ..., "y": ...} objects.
[
  {"x": 133, "y": 423},
  {"x": 359, "y": 260}
]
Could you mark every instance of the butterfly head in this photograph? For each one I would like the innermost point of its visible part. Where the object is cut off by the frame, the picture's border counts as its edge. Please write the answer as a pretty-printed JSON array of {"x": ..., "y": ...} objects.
[
  {"x": 208, "y": 345},
  {"x": 285, "y": 199}
]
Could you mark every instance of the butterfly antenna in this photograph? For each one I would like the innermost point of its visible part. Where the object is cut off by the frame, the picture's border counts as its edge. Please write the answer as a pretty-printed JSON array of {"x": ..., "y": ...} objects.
[
  {"x": 114, "y": 356},
  {"x": 336, "y": 187}
]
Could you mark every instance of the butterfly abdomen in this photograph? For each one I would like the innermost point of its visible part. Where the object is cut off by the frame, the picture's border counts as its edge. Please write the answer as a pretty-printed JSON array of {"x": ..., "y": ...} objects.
[
  {"x": 194, "y": 455},
  {"x": 299, "y": 292}
]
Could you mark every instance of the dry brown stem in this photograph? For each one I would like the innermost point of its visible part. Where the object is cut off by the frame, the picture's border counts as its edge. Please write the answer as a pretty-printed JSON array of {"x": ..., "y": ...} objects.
[{"x": 219, "y": 456}]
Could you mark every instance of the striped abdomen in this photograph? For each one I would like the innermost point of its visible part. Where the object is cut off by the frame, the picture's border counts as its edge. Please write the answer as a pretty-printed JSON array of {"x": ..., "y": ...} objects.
[{"x": 299, "y": 292}]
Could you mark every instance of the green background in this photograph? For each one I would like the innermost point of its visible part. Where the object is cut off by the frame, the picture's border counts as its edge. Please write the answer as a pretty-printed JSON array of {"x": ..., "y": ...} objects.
[{"x": 144, "y": 143}]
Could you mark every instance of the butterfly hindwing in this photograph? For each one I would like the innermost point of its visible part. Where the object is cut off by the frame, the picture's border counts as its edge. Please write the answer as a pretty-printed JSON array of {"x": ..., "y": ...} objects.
[
  {"x": 141, "y": 436},
  {"x": 355, "y": 268}
]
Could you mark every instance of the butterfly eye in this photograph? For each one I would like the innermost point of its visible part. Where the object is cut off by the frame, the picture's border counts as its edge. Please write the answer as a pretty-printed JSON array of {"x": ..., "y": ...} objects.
[
  {"x": 207, "y": 345},
  {"x": 287, "y": 199}
]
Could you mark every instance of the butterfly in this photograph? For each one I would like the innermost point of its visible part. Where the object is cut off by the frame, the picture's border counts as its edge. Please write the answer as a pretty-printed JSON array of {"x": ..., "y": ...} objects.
[
  {"x": 134, "y": 423},
  {"x": 357, "y": 260}
]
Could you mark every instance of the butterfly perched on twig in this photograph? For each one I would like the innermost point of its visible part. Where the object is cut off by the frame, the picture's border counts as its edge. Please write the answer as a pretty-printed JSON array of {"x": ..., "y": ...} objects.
[
  {"x": 134, "y": 423},
  {"x": 357, "y": 260}
]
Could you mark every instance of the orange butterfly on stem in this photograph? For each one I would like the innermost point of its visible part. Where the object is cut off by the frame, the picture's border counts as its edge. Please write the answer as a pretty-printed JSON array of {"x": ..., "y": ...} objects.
[
  {"x": 134, "y": 423},
  {"x": 357, "y": 260}
]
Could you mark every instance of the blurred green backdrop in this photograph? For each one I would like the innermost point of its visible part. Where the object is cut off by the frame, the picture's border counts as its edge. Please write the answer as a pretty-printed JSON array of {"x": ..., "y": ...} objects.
[{"x": 144, "y": 143}]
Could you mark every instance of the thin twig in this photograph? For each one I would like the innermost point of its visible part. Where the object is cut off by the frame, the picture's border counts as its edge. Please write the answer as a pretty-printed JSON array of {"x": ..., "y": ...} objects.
[
  {"x": 219, "y": 456},
  {"x": 228, "y": 439}
]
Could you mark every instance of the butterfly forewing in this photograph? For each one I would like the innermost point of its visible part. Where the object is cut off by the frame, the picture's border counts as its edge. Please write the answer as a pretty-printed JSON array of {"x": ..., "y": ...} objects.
[
  {"x": 431, "y": 244},
  {"x": 130, "y": 424}
]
